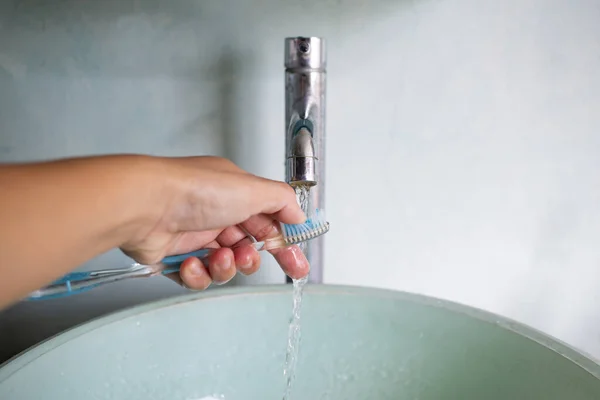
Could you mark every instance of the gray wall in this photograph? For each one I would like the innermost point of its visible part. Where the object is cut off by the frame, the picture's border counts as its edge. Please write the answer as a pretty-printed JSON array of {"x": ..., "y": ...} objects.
[{"x": 463, "y": 146}]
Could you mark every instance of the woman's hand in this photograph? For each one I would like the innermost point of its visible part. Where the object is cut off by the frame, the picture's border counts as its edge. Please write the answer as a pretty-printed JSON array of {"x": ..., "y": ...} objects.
[
  {"x": 209, "y": 202},
  {"x": 57, "y": 215}
]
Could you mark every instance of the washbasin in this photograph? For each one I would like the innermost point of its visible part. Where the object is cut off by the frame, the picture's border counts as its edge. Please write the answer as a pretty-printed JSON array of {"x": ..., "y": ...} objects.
[{"x": 357, "y": 343}]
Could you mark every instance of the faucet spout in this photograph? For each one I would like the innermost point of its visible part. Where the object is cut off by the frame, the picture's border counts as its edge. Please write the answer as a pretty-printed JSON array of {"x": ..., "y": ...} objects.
[
  {"x": 301, "y": 163},
  {"x": 305, "y": 78}
]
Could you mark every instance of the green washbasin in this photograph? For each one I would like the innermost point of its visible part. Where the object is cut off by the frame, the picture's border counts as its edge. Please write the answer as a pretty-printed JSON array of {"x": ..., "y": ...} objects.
[{"x": 357, "y": 343}]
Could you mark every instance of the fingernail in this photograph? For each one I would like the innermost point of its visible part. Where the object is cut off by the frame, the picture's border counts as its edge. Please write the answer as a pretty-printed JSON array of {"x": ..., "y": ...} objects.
[
  {"x": 196, "y": 270},
  {"x": 223, "y": 282},
  {"x": 225, "y": 266},
  {"x": 183, "y": 285},
  {"x": 246, "y": 265}
]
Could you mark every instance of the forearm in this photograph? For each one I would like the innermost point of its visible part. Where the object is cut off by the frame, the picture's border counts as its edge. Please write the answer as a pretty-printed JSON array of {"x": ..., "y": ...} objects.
[{"x": 57, "y": 215}]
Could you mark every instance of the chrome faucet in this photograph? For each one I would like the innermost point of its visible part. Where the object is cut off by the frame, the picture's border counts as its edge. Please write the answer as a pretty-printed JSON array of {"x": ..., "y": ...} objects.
[{"x": 305, "y": 77}]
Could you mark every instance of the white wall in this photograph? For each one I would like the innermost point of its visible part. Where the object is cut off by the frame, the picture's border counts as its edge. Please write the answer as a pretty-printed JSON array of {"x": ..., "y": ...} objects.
[{"x": 462, "y": 148}]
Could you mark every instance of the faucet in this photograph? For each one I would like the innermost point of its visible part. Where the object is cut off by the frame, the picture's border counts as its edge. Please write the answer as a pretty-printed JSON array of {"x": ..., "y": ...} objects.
[{"x": 305, "y": 77}]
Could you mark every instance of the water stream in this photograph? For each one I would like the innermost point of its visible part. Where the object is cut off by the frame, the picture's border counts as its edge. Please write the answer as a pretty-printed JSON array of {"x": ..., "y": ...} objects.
[{"x": 293, "y": 345}]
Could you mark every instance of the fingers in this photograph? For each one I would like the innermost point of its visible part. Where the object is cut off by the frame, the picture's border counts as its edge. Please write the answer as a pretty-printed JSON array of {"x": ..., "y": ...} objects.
[
  {"x": 237, "y": 254},
  {"x": 215, "y": 193},
  {"x": 274, "y": 197},
  {"x": 293, "y": 262},
  {"x": 291, "y": 259},
  {"x": 193, "y": 275},
  {"x": 221, "y": 265},
  {"x": 279, "y": 200},
  {"x": 246, "y": 257}
]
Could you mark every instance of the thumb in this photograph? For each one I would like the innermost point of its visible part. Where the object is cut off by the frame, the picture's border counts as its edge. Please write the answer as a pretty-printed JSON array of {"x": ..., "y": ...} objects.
[{"x": 279, "y": 200}]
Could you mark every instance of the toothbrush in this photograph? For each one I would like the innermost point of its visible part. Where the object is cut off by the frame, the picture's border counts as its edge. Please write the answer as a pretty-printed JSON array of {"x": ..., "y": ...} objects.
[{"x": 79, "y": 282}]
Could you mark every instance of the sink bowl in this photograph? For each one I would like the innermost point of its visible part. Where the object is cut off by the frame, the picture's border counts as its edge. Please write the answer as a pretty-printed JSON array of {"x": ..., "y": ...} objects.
[{"x": 357, "y": 343}]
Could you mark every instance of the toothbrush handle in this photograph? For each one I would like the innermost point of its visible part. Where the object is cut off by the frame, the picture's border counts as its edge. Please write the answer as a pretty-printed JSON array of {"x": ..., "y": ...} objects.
[
  {"x": 79, "y": 282},
  {"x": 173, "y": 263}
]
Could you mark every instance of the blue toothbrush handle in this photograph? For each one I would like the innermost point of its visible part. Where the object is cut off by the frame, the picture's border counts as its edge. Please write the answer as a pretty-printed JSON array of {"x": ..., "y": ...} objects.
[
  {"x": 67, "y": 291},
  {"x": 173, "y": 263},
  {"x": 79, "y": 282},
  {"x": 74, "y": 277}
]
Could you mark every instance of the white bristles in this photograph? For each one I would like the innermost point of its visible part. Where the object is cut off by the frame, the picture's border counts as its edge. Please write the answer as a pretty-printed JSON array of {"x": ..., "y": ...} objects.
[{"x": 312, "y": 228}]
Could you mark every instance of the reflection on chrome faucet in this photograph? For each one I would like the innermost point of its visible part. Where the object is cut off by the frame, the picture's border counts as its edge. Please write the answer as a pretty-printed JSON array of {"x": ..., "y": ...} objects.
[{"x": 305, "y": 78}]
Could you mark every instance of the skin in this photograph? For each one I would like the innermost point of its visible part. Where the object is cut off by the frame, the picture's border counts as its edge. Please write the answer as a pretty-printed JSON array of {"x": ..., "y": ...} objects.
[{"x": 59, "y": 214}]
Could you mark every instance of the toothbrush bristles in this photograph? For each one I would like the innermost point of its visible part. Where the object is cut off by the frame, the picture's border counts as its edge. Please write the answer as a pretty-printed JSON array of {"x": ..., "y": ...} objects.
[{"x": 312, "y": 228}]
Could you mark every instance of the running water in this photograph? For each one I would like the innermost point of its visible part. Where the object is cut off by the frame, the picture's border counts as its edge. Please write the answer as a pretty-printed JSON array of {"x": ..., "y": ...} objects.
[{"x": 293, "y": 345}]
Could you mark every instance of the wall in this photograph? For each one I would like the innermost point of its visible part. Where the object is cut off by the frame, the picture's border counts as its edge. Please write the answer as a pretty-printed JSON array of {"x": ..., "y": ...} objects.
[{"x": 462, "y": 151}]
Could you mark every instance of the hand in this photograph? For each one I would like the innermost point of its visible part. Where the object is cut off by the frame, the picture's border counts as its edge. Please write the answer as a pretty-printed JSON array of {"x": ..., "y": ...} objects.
[{"x": 209, "y": 202}]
